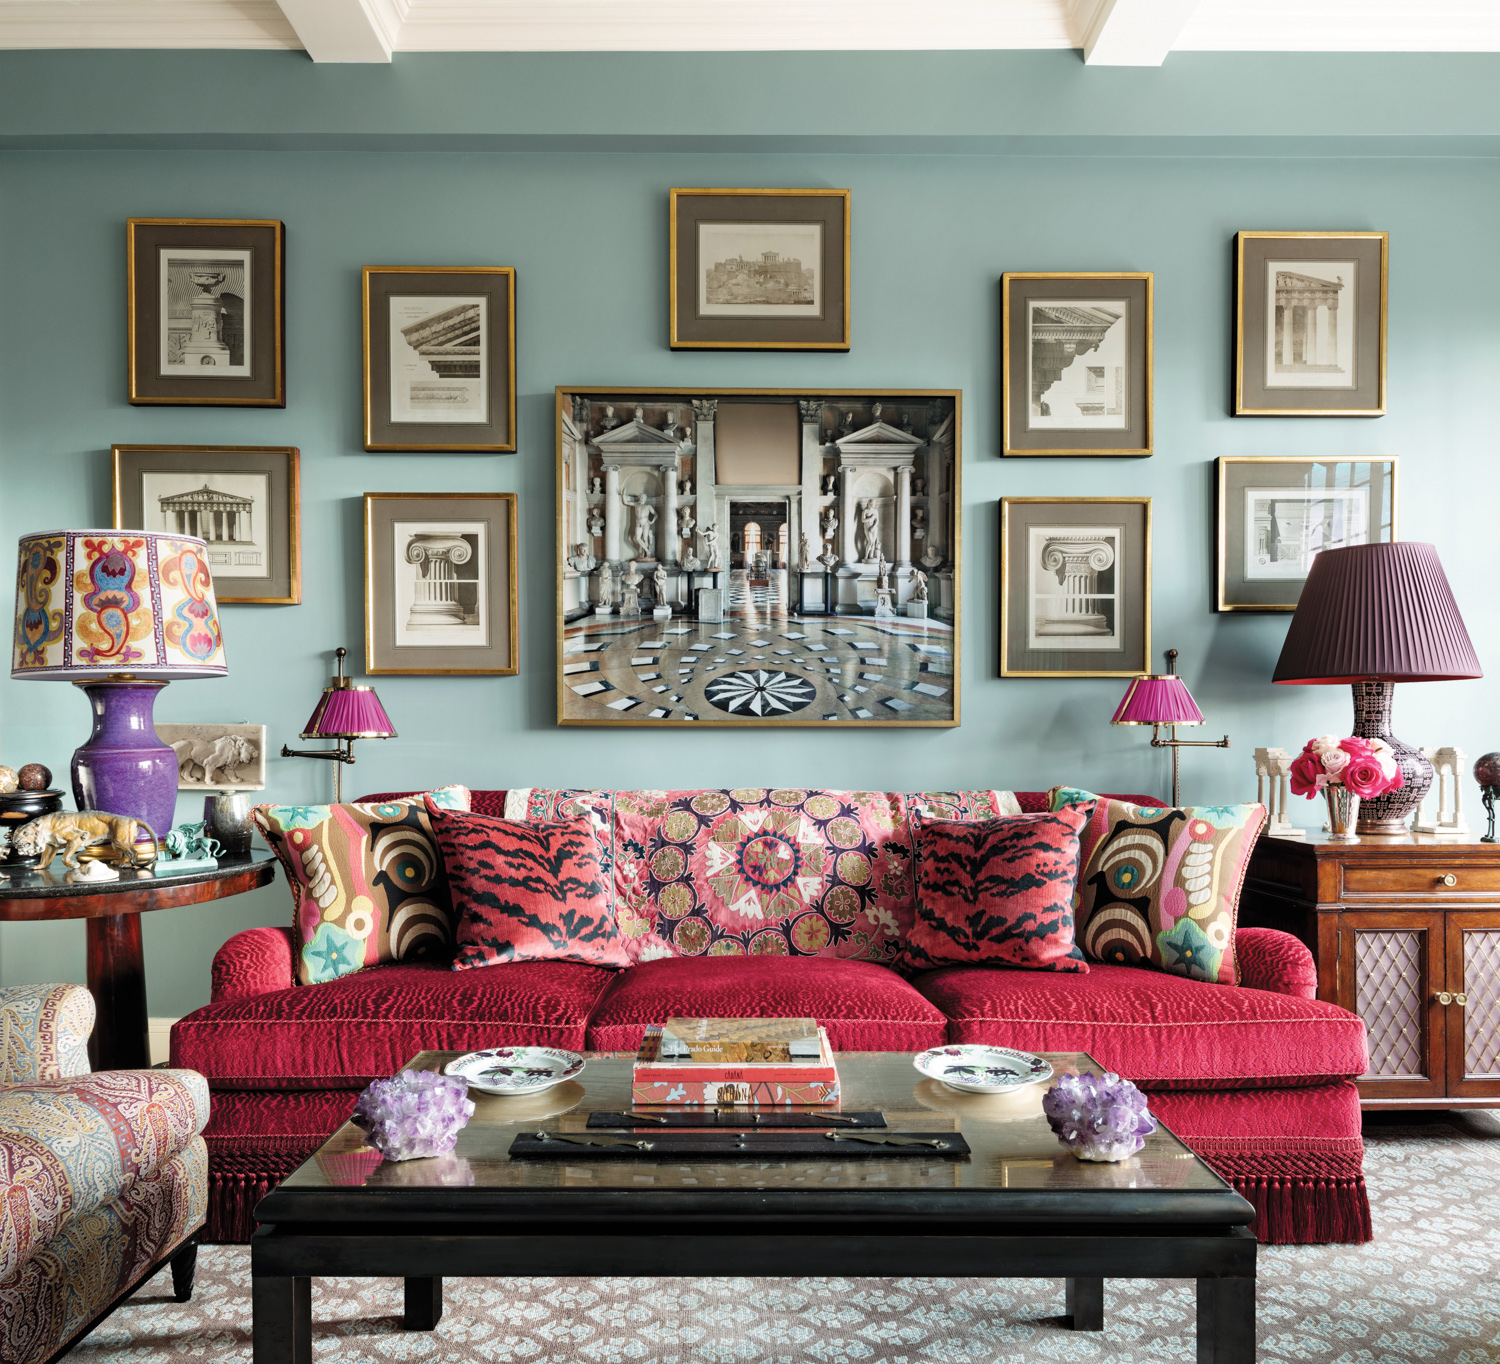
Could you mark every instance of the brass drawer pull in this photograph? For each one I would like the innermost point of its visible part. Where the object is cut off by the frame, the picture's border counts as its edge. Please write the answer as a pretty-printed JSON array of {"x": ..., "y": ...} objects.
[
  {"x": 1460, "y": 999},
  {"x": 1443, "y": 997},
  {"x": 1449, "y": 880}
]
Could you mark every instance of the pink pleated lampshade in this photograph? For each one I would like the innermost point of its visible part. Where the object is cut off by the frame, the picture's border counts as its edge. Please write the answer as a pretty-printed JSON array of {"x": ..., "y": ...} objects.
[
  {"x": 1376, "y": 613},
  {"x": 346, "y": 712},
  {"x": 1158, "y": 699}
]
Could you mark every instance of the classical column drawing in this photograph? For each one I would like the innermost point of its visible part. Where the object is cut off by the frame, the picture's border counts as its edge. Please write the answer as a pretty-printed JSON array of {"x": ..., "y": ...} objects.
[
  {"x": 204, "y": 347},
  {"x": 435, "y": 594},
  {"x": 1077, "y": 562}
]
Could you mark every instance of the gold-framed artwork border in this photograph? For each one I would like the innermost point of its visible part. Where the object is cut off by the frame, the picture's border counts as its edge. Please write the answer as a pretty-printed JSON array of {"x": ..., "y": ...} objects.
[
  {"x": 513, "y": 613},
  {"x": 675, "y": 342},
  {"x": 1240, "y": 410},
  {"x": 294, "y": 510},
  {"x": 1005, "y": 669},
  {"x": 563, "y": 395},
  {"x": 446, "y": 447},
  {"x": 1221, "y": 562},
  {"x": 1149, "y": 422}
]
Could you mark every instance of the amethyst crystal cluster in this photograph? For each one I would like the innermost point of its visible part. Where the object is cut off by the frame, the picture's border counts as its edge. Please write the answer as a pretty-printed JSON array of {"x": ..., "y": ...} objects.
[
  {"x": 1098, "y": 1117},
  {"x": 415, "y": 1113}
]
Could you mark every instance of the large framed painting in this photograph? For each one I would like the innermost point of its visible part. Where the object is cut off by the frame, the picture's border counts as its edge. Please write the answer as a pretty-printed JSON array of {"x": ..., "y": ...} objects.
[
  {"x": 758, "y": 557},
  {"x": 440, "y": 358},
  {"x": 244, "y": 500},
  {"x": 759, "y": 269},
  {"x": 205, "y": 311},
  {"x": 1309, "y": 324},
  {"x": 440, "y": 583},
  {"x": 1075, "y": 586},
  {"x": 1277, "y": 513},
  {"x": 1075, "y": 363}
]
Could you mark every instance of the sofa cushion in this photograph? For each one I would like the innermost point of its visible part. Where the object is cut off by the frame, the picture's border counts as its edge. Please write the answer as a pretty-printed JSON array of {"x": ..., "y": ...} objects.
[
  {"x": 525, "y": 892},
  {"x": 1160, "y": 887},
  {"x": 998, "y": 891},
  {"x": 1162, "y": 1031},
  {"x": 362, "y": 1027},
  {"x": 366, "y": 880},
  {"x": 865, "y": 1007}
]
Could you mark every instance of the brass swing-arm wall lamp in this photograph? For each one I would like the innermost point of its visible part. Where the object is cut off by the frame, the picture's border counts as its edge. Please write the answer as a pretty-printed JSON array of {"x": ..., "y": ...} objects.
[
  {"x": 1163, "y": 699},
  {"x": 344, "y": 713}
]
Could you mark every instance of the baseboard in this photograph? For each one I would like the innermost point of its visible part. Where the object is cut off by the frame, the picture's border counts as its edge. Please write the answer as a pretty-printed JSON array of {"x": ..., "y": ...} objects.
[{"x": 159, "y": 1036}]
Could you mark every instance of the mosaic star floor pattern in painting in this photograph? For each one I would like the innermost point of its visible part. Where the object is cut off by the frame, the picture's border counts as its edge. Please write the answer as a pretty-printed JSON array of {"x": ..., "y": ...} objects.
[{"x": 1425, "y": 1291}]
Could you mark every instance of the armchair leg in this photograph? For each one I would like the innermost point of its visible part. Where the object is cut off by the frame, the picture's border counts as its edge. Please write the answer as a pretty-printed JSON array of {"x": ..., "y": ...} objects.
[{"x": 184, "y": 1263}]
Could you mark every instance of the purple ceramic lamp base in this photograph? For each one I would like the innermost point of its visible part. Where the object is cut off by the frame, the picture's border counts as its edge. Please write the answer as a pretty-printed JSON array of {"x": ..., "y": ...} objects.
[{"x": 124, "y": 769}]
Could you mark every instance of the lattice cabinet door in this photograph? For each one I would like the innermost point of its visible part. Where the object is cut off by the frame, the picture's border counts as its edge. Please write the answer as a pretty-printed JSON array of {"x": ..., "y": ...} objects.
[
  {"x": 1391, "y": 973},
  {"x": 1473, "y": 984}
]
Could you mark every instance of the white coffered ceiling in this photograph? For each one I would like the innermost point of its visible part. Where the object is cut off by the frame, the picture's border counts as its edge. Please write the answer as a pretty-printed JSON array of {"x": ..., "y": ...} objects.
[{"x": 1109, "y": 32}]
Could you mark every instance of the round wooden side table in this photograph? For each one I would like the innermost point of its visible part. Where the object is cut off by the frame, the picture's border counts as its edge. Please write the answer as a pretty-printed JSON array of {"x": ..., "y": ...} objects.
[{"x": 116, "y": 964}]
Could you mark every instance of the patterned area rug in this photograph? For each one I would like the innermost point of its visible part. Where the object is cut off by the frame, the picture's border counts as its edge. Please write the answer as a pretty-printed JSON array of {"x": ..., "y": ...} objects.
[{"x": 1425, "y": 1291}]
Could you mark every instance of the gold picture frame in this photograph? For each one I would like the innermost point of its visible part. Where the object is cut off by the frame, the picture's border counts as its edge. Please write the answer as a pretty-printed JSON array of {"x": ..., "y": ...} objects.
[
  {"x": 417, "y": 602},
  {"x": 486, "y": 343},
  {"x": 815, "y": 221},
  {"x": 1120, "y": 615},
  {"x": 1133, "y": 328},
  {"x": 919, "y": 687},
  {"x": 1352, "y": 356}
]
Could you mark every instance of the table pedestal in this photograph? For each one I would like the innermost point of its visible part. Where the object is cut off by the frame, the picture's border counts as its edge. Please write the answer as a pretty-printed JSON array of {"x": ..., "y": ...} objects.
[{"x": 117, "y": 981}]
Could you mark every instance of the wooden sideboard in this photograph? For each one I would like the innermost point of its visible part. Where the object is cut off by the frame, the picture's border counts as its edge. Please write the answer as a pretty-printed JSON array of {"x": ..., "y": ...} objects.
[{"x": 1406, "y": 932}]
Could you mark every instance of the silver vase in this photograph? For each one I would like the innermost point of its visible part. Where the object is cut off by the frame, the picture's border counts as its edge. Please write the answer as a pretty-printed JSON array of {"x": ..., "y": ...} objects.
[
  {"x": 227, "y": 814},
  {"x": 1343, "y": 813}
]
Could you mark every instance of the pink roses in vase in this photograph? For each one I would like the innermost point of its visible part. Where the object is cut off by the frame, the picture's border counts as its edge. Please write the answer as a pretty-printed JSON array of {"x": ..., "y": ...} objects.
[{"x": 1366, "y": 767}]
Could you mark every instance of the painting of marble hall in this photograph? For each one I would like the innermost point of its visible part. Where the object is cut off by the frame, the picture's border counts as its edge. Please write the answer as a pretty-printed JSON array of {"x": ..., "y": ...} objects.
[{"x": 756, "y": 558}]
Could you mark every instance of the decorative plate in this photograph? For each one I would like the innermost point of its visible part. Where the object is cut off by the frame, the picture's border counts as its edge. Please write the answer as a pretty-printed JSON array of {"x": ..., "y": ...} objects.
[
  {"x": 515, "y": 1070},
  {"x": 983, "y": 1070}
]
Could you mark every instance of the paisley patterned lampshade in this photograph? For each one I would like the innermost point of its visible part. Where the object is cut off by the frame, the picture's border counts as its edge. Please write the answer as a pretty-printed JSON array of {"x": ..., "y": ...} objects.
[{"x": 102, "y": 603}]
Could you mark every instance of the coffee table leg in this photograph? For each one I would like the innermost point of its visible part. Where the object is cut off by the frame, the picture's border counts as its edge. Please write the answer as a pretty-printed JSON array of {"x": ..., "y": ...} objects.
[
  {"x": 281, "y": 1311},
  {"x": 424, "y": 1304},
  {"x": 1085, "y": 1304},
  {"x": 1226, "y": 1321}
]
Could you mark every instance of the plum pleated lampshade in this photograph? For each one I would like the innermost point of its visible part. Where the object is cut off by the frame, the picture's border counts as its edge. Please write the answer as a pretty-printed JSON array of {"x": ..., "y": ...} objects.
[
  {"x": 1376, "y": 613},
  {"x": 1162, "y": 699},
  {"x": 349, "y": 713}
]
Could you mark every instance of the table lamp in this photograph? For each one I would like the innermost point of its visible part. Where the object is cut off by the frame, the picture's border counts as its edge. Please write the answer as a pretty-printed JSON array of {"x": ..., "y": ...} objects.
[
  {"x": 119, "y": 614},
  {"x": 1372, "y": 616},
  {"x": 344, "y": 713},
  {"x": 1159, "y": 699}
]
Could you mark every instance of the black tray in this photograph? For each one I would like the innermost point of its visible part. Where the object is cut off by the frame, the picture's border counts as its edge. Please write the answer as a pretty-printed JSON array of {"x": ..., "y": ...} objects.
[
  {"x": 733, "y": 1146},
  {"x": 727, "y": 1119}
]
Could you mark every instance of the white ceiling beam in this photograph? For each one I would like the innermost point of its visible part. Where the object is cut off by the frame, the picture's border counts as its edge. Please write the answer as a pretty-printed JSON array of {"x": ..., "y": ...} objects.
[
  {"x": 342, "y": 30},
  {"x": 1135, "y": 32}
]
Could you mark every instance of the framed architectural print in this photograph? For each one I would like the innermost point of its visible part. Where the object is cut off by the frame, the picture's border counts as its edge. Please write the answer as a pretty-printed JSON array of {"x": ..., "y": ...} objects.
[
  {"x": 1075, "y": 363},
  {"x": 752, "y": 558},
  {"x": 1277, "y": 513},
  {"x": 440, "y": 358},
  {"x": 759, "y": 269},
  {"x": 1075, "y": 586},
  {"x": 244, "y": 500},
  {"x": 205, "y": 308},
  {"x": 1309, "y": 324},
  {"x": 440, "y": 583}
]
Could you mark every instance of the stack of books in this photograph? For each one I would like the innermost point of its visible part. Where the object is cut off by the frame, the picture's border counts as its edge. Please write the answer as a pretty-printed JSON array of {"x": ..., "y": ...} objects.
[{"x": 735, "y": 1061}]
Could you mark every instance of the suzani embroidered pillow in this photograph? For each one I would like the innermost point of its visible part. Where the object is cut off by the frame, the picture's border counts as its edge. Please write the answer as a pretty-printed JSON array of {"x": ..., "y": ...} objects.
[
  {"x": 998, "y": 891},
  {"x": 367, "y": 882},
  {"x": 1160, "y": 887},
  {"x": 526, "y": 892}
]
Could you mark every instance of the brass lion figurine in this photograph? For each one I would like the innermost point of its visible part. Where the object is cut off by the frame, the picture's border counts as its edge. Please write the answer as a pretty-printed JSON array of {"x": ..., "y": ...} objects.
[{"x": 72, "y": 833}]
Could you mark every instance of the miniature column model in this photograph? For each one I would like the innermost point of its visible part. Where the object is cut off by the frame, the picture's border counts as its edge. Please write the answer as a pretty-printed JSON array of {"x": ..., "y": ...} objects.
[
  {"x": 1273, "y": 770},
  {"x": 435, "y": 593},
  {"x": 614, "y": 513}
]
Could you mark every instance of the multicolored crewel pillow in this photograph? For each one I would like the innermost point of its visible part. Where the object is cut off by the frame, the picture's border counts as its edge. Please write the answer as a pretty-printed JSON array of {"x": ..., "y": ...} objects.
[
  {"x": 1160, "y": 887},
  {"x": 997, "y": 891},
  {"x": 526, "y": 892},
  {"x": 367, "y": 882}
]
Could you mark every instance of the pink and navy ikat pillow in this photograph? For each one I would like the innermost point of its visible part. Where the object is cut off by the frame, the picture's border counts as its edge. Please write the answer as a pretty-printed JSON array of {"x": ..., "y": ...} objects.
[{"x": 997, "y": 892}]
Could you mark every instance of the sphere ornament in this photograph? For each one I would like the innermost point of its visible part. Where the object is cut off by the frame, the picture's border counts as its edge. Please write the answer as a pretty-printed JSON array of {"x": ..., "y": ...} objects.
[
  {"x": 34, "y": 777},
  {"x": 1487, "y": 770}
]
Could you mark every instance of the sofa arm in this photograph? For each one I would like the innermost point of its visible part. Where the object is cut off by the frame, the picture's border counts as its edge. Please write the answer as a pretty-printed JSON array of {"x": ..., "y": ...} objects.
[
  {"x": 251, "y": 963},
  {"x": 44, "y": 1032},
  {"x": 1272, "y": 960}
]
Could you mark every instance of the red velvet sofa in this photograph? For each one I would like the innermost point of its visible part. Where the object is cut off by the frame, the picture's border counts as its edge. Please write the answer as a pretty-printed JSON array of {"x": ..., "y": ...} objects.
[{"x": 1257, "y": 1078}]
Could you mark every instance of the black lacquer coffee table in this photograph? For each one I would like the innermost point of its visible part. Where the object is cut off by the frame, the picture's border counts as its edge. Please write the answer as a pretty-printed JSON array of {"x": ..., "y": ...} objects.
[{"x": 1018, "y": 1206}]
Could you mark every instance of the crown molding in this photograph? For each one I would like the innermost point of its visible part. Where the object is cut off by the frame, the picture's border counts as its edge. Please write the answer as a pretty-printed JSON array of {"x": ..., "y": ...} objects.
[{"x": 245, "y": 24}]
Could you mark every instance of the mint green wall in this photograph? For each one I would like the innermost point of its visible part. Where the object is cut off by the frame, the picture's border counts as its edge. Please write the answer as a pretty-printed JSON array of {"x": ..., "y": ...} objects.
[{"x": 353, "y": 160}]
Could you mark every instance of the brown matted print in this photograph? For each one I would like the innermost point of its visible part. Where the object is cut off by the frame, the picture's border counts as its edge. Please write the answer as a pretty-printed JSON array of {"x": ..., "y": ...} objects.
[
  {"x": 1310, "y": 324},
  {"x": 205, "y": 309},
  {"x": 440, "y": 358},
  {"x": 759, "y": 269},
  {"x": 1075, "y": 586},
  {"x": 1075, "y": 367},
  {"x": 440, "y": 584},
  {"x": 245, "y": 501}
]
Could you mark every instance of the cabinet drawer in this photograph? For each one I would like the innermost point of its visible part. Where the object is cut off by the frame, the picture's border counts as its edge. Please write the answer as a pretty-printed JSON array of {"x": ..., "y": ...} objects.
[{"x": 1430, "y": 879}]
